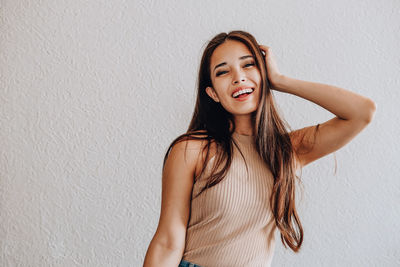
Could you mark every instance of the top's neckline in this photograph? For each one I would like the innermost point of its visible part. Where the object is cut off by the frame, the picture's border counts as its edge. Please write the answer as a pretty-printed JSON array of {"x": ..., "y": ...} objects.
[{"x": 243, "y": 138}]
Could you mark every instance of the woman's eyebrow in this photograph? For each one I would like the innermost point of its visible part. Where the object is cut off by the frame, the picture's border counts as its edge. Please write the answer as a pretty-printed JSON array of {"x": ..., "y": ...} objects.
[{"x": 224, "y": 63}]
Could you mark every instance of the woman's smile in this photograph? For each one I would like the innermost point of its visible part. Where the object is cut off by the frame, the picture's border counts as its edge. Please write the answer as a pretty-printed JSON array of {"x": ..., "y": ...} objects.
[{"x": 243, "y": 95}]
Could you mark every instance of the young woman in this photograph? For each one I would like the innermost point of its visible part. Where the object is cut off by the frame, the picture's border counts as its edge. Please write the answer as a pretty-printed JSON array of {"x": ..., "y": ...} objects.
[{"x": 229, "y": 181}]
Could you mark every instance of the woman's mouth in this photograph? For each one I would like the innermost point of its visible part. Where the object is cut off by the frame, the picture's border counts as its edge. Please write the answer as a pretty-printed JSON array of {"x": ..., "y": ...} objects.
[{"x": 243, "y": 95}]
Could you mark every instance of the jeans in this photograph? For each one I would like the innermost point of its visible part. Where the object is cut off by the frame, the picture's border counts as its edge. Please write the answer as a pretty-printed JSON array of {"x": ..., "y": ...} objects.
[{"x": 184, "y": 263}]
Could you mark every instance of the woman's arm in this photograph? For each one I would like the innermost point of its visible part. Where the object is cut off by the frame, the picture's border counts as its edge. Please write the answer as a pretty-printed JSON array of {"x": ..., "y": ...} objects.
[
  {"x": 353, "y": 113},
  {"x": 344, "y": 104},
  {"x": 168, "y": 244}
]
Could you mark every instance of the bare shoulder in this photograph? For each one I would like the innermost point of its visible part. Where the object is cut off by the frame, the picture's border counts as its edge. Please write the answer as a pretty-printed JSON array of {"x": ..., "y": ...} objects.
[
  {"x": 201, "y": 147},
  {"x": 194, "y": 151}
]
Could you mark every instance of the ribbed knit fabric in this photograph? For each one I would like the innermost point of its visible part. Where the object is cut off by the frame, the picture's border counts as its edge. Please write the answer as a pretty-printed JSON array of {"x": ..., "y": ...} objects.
[{"x": 231, "y": 223}]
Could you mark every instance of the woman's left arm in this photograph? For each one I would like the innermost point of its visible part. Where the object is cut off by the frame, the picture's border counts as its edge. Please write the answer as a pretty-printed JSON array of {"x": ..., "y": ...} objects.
[
  {"x": 345, "y": 104},
  {"x": 353, "y": 113}
]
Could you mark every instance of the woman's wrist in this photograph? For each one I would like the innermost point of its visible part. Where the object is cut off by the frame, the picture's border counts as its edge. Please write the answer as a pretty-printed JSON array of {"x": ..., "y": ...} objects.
[{"x": 279, "y": 83}]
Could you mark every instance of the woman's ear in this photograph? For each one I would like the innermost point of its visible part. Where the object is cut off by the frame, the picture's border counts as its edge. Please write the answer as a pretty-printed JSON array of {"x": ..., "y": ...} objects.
[{"x": 211, "y": 93}]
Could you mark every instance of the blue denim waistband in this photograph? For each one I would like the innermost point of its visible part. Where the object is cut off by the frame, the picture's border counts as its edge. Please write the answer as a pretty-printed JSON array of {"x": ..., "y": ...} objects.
[{"x": 184, "y": 263}]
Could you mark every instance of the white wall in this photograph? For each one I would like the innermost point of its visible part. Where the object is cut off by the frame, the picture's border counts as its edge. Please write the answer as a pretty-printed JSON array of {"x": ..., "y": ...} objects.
[{"x": 93, "y": 92}]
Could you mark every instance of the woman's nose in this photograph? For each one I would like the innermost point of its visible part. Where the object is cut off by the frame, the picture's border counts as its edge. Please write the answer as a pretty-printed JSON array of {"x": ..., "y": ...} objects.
[
  {"x": 238, "y": 77},
  {"x": 237, "y": 81}
]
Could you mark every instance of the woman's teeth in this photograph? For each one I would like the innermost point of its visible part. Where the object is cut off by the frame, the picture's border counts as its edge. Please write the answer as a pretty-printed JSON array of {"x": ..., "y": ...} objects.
[{"x": 244, "y": 91}]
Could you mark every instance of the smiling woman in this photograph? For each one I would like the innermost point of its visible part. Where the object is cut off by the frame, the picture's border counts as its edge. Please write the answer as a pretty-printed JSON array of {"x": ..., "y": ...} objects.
[
  {"x": 229, "y": 181},
  {"x": 235, "y": 81}
]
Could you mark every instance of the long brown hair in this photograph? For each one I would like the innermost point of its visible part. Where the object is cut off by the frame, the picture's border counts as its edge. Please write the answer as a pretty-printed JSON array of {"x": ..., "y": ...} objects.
[{"x": 213, "y": 123}]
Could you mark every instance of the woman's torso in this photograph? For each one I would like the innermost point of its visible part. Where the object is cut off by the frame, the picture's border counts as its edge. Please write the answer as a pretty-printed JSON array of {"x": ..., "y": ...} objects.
[{"x": 231, "y": 223}]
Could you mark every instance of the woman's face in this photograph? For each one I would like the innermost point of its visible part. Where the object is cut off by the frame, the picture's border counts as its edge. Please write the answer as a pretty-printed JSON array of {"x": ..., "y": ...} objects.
[{"x": 233, "y": 67}]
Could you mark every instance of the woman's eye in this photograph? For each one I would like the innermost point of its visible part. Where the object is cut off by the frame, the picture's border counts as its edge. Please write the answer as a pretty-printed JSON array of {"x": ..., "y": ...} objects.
[{"x": 221, "y": 72}]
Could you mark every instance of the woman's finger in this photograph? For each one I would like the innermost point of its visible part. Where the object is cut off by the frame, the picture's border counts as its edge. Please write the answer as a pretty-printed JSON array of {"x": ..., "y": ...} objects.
[{"x": 264, "y": 49}]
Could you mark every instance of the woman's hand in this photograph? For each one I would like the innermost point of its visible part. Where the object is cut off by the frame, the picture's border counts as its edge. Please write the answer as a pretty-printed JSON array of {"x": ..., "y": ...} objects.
[{"x": 274, "y": 76}]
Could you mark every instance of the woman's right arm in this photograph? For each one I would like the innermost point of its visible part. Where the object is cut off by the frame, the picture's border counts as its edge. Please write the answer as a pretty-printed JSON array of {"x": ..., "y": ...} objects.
[{"x": 168, "y": 244}]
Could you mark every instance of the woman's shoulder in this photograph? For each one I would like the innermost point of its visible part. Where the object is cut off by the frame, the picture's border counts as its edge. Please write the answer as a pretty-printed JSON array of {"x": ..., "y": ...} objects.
[
  {"x": 201, "y": 142},
  {"x": 198, "y": 140}
]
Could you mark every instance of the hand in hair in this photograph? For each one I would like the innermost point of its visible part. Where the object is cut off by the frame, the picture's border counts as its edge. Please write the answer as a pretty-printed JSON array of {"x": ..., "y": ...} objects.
[{"x": 274, "y": 76}]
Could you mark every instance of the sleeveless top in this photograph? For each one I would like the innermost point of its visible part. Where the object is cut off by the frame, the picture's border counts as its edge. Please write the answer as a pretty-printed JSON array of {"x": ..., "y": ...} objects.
[{"x": 231, "y": 224}]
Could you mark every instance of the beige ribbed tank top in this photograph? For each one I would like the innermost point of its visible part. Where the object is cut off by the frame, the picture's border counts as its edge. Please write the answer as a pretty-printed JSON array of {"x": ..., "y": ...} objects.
[{"x": 231, "y": 223}]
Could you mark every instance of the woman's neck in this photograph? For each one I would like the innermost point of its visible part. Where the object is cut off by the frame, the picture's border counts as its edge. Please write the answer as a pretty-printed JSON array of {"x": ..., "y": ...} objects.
[{"x": 244, "y": 125}]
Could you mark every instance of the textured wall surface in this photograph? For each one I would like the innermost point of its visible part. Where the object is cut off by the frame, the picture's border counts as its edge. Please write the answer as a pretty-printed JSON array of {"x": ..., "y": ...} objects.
[{"x": 93, "y": 92}]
